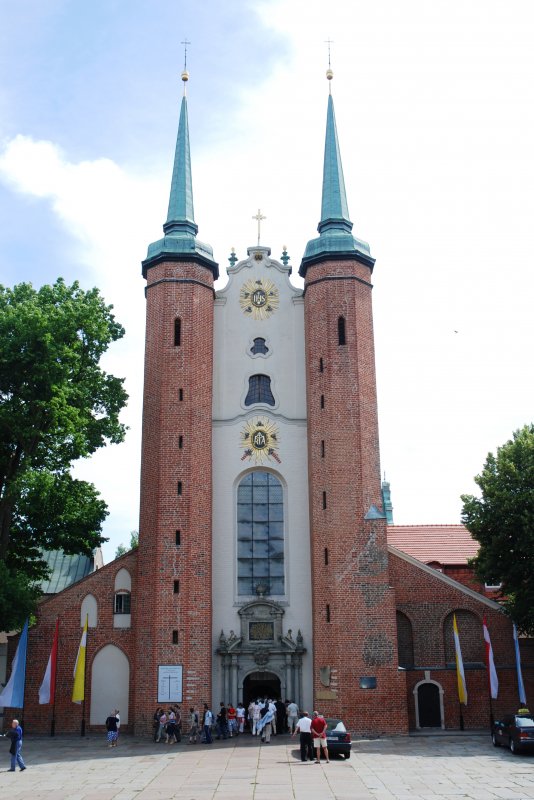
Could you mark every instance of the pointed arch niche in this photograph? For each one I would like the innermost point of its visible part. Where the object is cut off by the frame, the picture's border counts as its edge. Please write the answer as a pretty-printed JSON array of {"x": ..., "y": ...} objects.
[
  {"x": 89, "y": 609},
  {"x": 110, "y": 684}
]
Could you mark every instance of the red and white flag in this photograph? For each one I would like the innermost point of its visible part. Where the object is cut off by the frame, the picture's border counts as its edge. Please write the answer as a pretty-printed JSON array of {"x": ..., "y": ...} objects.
[
  {"x": 48, "y": 687},
  {"x": 490, "y": 664}
]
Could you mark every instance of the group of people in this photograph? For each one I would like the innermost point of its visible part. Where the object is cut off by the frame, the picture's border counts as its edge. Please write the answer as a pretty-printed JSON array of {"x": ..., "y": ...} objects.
[
  {"x": 264, "y": 717},
  {"x": 168, "y": 724}
]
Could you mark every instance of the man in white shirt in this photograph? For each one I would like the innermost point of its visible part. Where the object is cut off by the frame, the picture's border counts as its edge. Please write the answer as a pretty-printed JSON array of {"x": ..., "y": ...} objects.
[
  {"x": 292, "y": 716},
  {"x": 306, "y": 743}
]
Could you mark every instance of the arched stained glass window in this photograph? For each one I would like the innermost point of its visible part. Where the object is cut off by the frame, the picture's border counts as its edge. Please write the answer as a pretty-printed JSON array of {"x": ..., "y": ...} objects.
[
  {"x": 259, "y": 346},
  {"x": 260, "y": 535},
  {"x": 259, "y": 390}
]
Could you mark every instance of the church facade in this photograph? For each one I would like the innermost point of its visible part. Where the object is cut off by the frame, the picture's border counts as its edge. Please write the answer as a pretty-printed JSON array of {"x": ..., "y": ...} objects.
[{"x": 263, "y": 565}]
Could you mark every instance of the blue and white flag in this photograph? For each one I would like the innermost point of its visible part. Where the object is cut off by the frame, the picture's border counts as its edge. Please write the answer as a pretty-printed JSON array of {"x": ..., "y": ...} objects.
[
  {"x": 520, "y": 684},
  {"x": 262, "y": 722},
  {"x": 12, "y": 695}
]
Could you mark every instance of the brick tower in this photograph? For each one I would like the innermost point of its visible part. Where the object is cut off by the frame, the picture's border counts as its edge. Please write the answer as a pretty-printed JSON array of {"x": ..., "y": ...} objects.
[
  {"x": 173, "y": 604},
  {"x": 355, "y": 668}
]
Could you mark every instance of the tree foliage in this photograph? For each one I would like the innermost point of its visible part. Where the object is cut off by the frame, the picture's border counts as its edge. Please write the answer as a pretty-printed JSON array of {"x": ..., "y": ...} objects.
[
  {"x": 502, "y": 520},
  {"x": 56, "y": 405},
  {"x": 134, "y": 542}
]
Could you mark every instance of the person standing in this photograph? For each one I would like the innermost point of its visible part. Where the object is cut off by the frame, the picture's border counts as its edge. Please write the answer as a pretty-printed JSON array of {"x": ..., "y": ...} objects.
[
  {"x": 292, "y": 716},
  {"x": 306, "y": 744},
  {"x": 256, "y": 716},
  {"x": 162, "y": 725},
  {"x": 221, "y": 727},
  {"x": 118, "y": 716},
  {"x": 193, "y": 725},
  {"x": 15, "y": 734},
  {"x": 207, "y": 722},
  {"x": 240, "y": 713},
  {"x": 318, "y": 729},
  {"x": 232, "y": 720},
  {"x": 111, "y": 727}
]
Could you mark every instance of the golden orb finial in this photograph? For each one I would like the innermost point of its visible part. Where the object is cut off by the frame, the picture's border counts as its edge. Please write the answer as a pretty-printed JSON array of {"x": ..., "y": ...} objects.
[
  {"x": 329, "y": 74},
  {"x": 185, "y": 76}
]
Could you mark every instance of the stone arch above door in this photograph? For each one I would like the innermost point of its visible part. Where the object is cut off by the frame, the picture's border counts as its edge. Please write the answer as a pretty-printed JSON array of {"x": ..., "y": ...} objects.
[
  {"x": 261, "y": 646},
  {"x": 428, "y": 697}
]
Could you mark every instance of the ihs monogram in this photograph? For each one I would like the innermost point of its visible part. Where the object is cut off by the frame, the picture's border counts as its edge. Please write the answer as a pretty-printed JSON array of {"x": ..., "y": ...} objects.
[
  {"x": 260, "y": 441},
  {"x": 259, "y": 298}
]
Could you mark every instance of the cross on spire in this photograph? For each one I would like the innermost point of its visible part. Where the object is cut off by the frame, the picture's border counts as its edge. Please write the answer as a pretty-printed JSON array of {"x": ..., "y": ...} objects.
[
  {"x": 185, "y": 43},
  {"x": 329, "y": 42},
  {"x": 259, "y": 216}
]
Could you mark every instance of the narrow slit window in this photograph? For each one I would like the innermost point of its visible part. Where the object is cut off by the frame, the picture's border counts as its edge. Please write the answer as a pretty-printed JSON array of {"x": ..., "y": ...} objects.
[
  {"x": 177, "y": 332},
  {"x": 326, "y": 556},
  {"x": 180, "y": 395},
  {"x": 176, "y": 587},
  {"x": 322, "y": 448},
  {"x": 175, "y": 637},
  {"x": 324, "y": 499},
  {"x": 179, "y": 487},
  {"x": 322, "y": 401},
  {"x": 321, "y": 366},
  {"x": 180, "y": 442},
  {"x": 341, "y": 334},
  {"x": 328, "y": 613},
  {"x": 178, "y": 538}
]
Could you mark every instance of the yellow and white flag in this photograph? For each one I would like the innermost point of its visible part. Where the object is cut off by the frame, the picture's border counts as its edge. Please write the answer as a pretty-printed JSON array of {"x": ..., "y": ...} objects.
[
  {"x": 78, "y": 690},
  {"x": 462, "y": 689}
]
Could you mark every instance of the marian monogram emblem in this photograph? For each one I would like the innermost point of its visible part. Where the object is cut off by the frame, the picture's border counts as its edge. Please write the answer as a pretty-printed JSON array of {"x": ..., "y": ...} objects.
[
  {"x": 260, "y": 441},
  {"x": 259, "y": 298}
]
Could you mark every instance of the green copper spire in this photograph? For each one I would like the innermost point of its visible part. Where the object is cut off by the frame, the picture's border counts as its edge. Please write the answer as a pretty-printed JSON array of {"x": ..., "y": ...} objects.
[
  {"x": 181, "y": 216},
  {"x": 335, "y": 238},
  {"x": 334, "y": 208},
  {"x": 180, "y": 229}
]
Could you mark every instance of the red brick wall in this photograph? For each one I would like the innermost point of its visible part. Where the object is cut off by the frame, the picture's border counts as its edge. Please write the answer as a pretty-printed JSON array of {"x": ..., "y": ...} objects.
[
  {"x": 427, "y": 601},
  {"x": 181, "y": 290},
  {"x": 66, "y": 606},
  {"x": 360, "y": 639}
]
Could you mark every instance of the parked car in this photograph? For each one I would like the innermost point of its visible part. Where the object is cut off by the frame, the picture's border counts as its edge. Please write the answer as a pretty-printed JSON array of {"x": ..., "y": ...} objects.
[
  {"x": 515, "y": 731},
  {"x": 337, "y": 738}
]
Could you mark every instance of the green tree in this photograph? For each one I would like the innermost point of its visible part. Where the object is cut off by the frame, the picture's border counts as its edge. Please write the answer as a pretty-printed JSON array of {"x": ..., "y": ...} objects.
[
  {"x": 134, "y": 542},
  {"x": 56, "y": 405},
  {"x": 502, "y": 520}
]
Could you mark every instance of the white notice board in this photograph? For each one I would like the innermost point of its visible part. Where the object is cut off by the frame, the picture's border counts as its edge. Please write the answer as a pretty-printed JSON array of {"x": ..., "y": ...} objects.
[{"x": 170, "y": 683}]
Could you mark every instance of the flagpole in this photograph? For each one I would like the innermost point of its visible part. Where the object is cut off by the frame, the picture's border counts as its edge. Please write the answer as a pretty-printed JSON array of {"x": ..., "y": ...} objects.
[
  {"x": 461, "y": 717},
  {"x": 53, "y": 723},
  {"x": 82, "y": 732}
]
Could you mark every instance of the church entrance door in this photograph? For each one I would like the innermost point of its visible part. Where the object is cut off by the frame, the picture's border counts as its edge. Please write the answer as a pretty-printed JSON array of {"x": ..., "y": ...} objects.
[
  {"x": 429, "y": 706},
  {"x": 261, "y": 684}
]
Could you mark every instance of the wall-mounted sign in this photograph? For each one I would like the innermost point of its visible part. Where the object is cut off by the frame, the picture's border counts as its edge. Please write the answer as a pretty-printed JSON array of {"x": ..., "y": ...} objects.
[{"x": 170, "y": 683}]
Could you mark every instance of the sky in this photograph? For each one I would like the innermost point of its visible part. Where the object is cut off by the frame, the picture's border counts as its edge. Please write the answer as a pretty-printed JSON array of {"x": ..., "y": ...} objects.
[{"x": 435, "y": 112}]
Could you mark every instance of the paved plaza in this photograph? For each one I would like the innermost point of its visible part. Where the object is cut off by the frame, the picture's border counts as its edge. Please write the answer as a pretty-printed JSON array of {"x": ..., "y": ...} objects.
[{"x": 442, "y": 767}]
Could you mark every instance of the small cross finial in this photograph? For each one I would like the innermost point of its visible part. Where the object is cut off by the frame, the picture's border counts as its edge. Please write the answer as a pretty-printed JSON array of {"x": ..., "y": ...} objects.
[
  {"x": 329, "y": 72},
  {"x": 185, "y": 73},
  {"x": 185, "y": 43},
  {"x": 259, "y": 216}
]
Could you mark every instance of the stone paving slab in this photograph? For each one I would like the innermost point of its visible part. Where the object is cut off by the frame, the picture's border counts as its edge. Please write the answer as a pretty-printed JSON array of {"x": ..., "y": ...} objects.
[{"x": 447, "y": 767}]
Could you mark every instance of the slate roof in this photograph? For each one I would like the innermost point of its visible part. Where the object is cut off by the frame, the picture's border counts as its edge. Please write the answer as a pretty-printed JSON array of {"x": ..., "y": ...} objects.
[{"x": 446, "y": 544}]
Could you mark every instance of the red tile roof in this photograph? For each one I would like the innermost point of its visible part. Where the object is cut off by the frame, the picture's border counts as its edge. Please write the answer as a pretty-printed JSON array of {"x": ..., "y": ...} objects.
[{"x": 446, "y": 544}]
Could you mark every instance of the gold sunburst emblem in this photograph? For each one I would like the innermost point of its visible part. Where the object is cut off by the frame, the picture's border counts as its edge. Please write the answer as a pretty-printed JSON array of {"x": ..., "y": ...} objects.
[
  {"x": 259, "y": 298},
  {"x": 260, "y": 440}
]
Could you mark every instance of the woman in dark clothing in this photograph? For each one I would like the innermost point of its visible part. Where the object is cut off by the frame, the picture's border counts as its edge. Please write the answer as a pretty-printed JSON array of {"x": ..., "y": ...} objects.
[{"x": 111, "y": 727}]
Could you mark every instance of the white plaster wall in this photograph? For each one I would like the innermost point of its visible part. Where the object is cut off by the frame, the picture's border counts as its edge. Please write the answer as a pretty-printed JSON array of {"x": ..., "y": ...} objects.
[
  {"x": 233, "y": 363},
  {"x": 110, "y": 685},
  {"x": 89, "y": 609}
]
